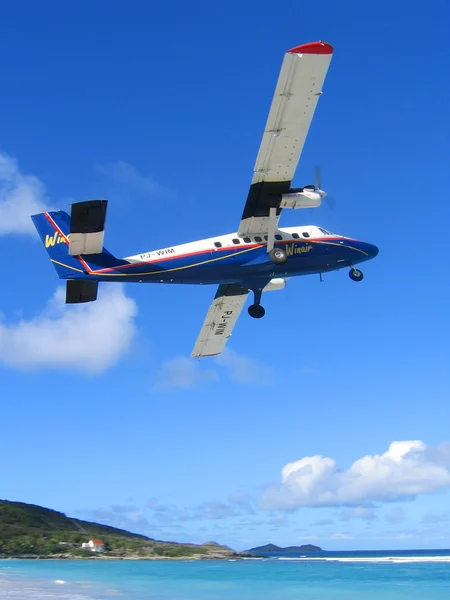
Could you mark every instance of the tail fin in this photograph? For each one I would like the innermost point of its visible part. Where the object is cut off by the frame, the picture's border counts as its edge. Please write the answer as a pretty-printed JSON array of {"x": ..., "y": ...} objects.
[{"x": 54, "y": 228}]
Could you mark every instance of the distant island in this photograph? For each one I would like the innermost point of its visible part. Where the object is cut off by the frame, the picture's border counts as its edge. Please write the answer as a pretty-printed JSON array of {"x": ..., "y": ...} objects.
[
  {"x": 30, "y": 531},
  {"x": 272, "y": 548}
]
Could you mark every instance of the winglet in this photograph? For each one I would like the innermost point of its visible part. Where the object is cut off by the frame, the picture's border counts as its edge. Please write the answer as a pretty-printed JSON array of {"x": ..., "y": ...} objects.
[{"x": 312, "y": 48}]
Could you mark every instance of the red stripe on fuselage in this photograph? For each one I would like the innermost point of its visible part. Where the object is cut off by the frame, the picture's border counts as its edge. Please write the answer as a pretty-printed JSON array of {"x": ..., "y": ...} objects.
[
  {"x": 211, "y": 250},
  {"x": 176, "y": 256}
]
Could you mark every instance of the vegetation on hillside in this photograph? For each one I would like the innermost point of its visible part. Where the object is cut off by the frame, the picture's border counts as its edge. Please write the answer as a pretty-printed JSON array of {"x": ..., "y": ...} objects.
[
  {"x": 272, "y": 548},
  {"x": 29, "y": 530}
]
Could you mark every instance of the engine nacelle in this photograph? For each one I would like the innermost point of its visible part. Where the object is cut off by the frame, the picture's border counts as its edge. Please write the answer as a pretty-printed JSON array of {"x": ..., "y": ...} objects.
[
  {"x": 275, "y": 284},
  {"x": 301, "y": 200}
]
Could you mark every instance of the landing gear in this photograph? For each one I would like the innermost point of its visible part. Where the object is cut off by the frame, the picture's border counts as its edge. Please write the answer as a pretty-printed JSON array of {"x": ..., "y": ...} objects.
[
  {"x": 256, "y": 311},
  {"x": 356, "y": 275},
  {"x": 278, "y": 256}
]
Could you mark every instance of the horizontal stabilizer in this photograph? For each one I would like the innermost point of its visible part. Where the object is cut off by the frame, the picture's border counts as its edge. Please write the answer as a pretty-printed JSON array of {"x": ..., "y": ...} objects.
[
  {"x": 81, "y": 290},
  {"x": 87, "y": 227}
]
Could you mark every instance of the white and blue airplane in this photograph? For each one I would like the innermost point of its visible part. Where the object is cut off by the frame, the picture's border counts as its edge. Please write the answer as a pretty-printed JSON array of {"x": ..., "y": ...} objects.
[{"x": 259, "y": 257}]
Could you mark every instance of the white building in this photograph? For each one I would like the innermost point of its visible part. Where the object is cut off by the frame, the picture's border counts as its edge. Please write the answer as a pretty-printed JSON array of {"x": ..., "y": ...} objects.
[{"x": 94, "y": 545}]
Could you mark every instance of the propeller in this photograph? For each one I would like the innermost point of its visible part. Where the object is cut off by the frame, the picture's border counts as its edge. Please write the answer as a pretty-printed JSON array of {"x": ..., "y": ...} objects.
[
  {"x": 318, "y": 188},
  {"x": 318, "y": 176}
]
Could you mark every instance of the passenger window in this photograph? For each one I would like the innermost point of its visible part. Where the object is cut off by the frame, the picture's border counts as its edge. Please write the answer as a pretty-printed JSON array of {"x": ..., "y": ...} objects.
[
  {"x": 247, "y": 240},
  {"x": 236, "y": 241},
  {"x": 278, "y": 236},
  {"x": 258, "y": 239},
  {"x": 295, "y": 236},
  {"x": 217, "y": 244},
  {"x": 266, "y": 238},
  {"x": 305, "y": 234}
]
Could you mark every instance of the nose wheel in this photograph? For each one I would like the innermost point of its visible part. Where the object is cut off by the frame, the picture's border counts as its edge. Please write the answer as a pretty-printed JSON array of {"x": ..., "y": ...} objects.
[
  {"x": 356, "y": 275},
  {"x": 255, "y": 310}
]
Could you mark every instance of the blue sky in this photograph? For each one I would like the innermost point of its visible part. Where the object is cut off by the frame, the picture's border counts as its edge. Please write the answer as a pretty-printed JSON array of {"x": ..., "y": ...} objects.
[{"x": 160, "y": 109}]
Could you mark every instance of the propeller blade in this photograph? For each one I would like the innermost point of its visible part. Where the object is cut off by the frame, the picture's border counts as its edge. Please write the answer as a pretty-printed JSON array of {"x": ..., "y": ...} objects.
[
  {"x": 318, "y": 176},
  {"x": 331, "y": 201}
]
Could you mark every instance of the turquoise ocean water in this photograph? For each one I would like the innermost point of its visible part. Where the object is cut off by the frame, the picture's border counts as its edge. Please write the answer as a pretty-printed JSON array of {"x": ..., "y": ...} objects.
[{"x": 361, "y": 575}]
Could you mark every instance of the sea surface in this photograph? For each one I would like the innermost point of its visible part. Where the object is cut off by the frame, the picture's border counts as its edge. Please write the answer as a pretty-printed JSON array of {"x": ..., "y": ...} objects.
[{"x": 317, "y": 576}]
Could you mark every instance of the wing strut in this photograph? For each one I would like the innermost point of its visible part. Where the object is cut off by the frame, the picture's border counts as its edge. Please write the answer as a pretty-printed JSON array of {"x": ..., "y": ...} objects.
[{"x": 273, "y": 225}]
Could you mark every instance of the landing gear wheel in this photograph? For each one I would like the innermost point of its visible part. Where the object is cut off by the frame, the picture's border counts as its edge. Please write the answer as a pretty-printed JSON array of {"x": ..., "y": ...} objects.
[
  {"x": 278, "y": 256},
  {"x": 356, "y": 275},
  {"x": 256, "y": 311}
]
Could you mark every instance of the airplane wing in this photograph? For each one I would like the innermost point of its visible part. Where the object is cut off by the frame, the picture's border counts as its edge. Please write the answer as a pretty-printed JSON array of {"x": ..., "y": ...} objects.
[
  {"x": 297, "y": 91},
  {"x": 220, "y": 320}
]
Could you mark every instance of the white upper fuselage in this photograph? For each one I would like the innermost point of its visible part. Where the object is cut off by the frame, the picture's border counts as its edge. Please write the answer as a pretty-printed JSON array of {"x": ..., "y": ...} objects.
[{"x": 301, "y": 233}]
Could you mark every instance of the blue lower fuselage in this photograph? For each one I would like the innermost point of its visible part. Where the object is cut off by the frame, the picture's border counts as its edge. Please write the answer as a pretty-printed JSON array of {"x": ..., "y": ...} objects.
[{"x": 240, "y": 264}]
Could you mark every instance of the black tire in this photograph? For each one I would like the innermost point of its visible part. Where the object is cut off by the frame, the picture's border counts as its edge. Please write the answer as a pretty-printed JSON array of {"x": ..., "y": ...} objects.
[
  {"x": 278, "y": 256},
  {"x": 256, "y": 311},
  {"x": 356, "y": 275}
]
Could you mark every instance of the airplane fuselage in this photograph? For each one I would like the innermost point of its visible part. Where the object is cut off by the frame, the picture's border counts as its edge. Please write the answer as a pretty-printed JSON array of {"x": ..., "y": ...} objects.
[{"x": 243, "y": 260}]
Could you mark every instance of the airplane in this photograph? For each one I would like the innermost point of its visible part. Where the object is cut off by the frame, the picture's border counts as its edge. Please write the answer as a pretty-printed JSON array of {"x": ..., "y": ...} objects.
[{"x": 259, "y": 257}]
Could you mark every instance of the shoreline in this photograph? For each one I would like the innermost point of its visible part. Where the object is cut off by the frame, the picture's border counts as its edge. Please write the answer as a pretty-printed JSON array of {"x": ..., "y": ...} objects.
[
  {"x": 385, "y": 559},
  {"x": 132, "y": 557}
]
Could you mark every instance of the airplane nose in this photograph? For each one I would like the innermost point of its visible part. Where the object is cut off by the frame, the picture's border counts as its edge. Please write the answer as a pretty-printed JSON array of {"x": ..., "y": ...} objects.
[{"x": 371, "y": 250}]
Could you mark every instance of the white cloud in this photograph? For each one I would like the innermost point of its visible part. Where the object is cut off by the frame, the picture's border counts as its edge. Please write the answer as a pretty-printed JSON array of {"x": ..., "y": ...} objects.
[
  {"x": 123, "y": 508},
  {"x": 323, "y": 522},
  {"x": 242, "y": 500},
  {"x": 406, "y": 535},
  {"x": 154, "y": 504},
  {"x": 395, "y": 515},
  {"x": 216, "y": 510},
  {"x": 126, "y": 174},
  {"x": 86, "y": 337},
  {"x": 341, "y": 536},
  {"x": 360, "y": 512},
  {"x": 432, "y": 518},
  {"x": 135, "y": 521},
  {"x": 243, "y": 369},
  {"x": 20, "y": 197},
  {"x": 183, "y": 373},
  {"x": 405, "y": 470},
  {"x": 278, "y": 521}
]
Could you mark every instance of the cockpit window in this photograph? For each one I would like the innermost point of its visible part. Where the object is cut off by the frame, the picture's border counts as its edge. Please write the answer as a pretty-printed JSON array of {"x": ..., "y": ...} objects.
[{"x": 325, "y": 231}]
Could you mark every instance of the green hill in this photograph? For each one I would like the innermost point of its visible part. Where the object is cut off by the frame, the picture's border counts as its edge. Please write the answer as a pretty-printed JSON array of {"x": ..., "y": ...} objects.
[
  {"x": 29, "y": 530},
  {"x": 271, "y": 548}
]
